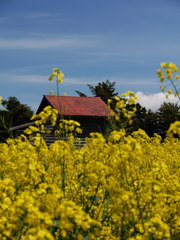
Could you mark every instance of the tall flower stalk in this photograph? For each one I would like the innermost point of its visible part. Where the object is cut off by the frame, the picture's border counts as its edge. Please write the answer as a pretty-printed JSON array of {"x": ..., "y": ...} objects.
[{"x": 58, "y": 74}]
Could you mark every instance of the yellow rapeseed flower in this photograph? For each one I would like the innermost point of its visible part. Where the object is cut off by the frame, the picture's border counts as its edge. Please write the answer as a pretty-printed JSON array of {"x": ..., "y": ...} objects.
[
  {"x": 163, "y": 65},
  {"x": 169, "y": 91},
  {"x": 162, "y": 88}
]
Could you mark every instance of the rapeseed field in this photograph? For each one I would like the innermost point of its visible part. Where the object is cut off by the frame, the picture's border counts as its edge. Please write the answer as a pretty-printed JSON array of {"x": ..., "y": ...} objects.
[{"x": 124, "y": 187}]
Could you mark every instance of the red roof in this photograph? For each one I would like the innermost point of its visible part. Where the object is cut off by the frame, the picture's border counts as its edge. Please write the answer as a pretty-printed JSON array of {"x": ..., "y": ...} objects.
[{"x": 76, "y": 106}]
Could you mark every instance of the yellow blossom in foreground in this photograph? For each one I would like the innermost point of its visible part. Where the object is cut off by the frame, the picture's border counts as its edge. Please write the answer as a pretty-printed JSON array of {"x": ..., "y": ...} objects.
[
  {"x": 123, "y": 187},
  {"x": 174, "y": 128}
]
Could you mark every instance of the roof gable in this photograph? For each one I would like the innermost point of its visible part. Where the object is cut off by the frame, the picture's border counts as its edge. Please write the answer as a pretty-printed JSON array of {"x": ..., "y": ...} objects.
[{"x": 76, "y": 106}]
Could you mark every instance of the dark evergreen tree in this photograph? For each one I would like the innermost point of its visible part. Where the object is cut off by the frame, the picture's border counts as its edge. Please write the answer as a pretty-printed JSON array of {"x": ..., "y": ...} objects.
[
  {"x": 104, "y": 90},
  {"x": 81, "y": 94}
]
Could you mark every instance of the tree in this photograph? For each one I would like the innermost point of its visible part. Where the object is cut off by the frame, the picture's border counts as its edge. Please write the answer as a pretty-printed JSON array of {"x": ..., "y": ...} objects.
[
  {"x": 159, "y": 121},
  {"x": 104, "y": 90},
  {"x": 167, "y": 114},
  {"x": 15, "y": 113},
  {"x": 150, "y": 123},
  {"x": 139, "y": 118},
  {"x": 81, "y": 94}
]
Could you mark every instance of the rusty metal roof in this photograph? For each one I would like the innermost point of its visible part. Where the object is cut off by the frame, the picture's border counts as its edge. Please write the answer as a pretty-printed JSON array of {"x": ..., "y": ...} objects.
[{"x": 76, "y": 106}]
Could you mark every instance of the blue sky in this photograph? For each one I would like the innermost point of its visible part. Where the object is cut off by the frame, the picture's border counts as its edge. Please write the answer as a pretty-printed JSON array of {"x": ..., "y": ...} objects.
[{"x": 90, "y": 41}]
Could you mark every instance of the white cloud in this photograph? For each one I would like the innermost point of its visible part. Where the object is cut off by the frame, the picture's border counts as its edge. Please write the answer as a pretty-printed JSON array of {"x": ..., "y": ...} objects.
[
  {"x": 108, "y": 48},
  {"x": 102, "y": 47},
  {"x": 14, "y": 76},
  {"x": 23, "y": 78},
  {"x": 18, "y": 78},
  {"x": 154, "y": 101},
  {"x": 30, "y": 43}
]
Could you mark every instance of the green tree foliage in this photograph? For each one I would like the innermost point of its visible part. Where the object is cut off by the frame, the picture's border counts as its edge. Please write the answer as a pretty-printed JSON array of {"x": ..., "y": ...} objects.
[
  {"x": 167, "y": 114},
  {"x": 104, "y": 90},
  {"x": 156, "y": 122},
  {"x": 150, "y": 125},
  {"x": 139, "y": 118},
  {"x": 15, "y": 113},
  {"x": 81, "y": 94},
  {"x": 151, "y": 122}
]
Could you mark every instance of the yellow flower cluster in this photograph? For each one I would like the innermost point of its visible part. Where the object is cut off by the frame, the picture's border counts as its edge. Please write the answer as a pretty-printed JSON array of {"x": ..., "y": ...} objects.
[
  {"x": 169, "y": 71},
  {"x": 49, "y": 117},
  {"x": 48, "y": 114},
  {"x": 174, "y": 129},
  {"x": 128, "y": 98},
  {"x": 57, "y": 73},
  {"x": 68, "y": 127},
  {"x": 125, "y": 187}
]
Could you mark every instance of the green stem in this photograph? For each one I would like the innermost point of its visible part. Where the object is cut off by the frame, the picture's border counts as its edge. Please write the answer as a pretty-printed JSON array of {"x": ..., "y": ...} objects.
[
  {"x": 57, "y": 86},
  {"x": 175, "y": 88},
  {"x": 63, "y": 177},
  {"x": 93, "y": 199}
]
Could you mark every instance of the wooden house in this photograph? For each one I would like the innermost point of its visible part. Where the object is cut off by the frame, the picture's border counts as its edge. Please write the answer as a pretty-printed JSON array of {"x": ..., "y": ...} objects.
[{"x": 90, "y": 112}]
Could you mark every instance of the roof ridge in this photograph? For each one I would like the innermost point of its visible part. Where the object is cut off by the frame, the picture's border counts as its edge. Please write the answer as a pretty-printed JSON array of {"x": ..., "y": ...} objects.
[
  {"x": 71, "y": 96},
  {"x": 76, "y": 105}
]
